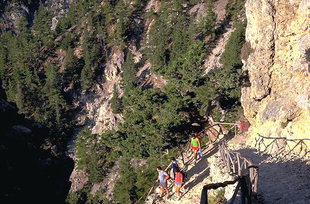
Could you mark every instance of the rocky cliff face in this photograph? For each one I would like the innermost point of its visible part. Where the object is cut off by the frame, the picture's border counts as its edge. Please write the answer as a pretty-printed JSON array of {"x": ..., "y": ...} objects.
[
  {"x": 59, "y": 8},
  {"x": 277, "y": 101},
  {"x": 97, "y": 106},
  {"x": 18, "y": 10}
]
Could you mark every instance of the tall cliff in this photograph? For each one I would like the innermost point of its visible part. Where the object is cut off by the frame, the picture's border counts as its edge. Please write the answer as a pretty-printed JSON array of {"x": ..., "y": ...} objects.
[{"x": 277, "y": 100}]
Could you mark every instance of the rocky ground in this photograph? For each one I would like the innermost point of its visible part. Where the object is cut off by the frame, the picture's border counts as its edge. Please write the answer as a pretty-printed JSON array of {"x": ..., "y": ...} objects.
[
  {"x": 225, "y": 28},
  {"x": 209, "y": 169},
  {"x": 280, "y": 180},
  {"x": 213, "y": 60}
]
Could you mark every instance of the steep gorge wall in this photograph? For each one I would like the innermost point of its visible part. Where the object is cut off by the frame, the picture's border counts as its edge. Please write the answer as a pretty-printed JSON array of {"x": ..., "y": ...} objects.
[{"x": 277, "y": 101}]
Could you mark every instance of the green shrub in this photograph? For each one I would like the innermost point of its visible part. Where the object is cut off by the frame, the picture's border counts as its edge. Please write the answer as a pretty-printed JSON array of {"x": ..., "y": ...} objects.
[
  {"x": 116, "y": 103},
  {"x": 218, "y": 198},
  {"x": 234, "y": 8},
  {"x": 92, "y": 155},
  {"x": 133, "y": 183},
  {"x": 72, "y": 198},
  {"x": 129, "y": 73},
  {"x": 231, "y": 56}
]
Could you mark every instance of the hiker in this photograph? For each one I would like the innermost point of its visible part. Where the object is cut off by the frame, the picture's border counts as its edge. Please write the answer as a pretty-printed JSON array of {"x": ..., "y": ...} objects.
[
  {"x": 174, "y": 166},
  {"x": 178, "y": 182},
  {"x": 162, "y": 178},
  {"x": 195, "y": 145}
]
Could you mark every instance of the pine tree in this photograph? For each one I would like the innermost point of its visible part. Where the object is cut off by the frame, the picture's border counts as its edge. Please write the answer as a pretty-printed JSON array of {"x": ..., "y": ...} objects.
[
  {"x": 129, "y": 73},
  {"x": 52, "y": 90},
  {"x": 207, "y": 25},
  {"x": 42, "y": 26},
  {"x": 73, "y": 66},
  {"x": 3, "y": 56},
  {"x": 125, "y": 189},
  {"x": 116, "y": 103},
  {"x": 231, "y": 56},
  {"x": 88, "y": 71}
]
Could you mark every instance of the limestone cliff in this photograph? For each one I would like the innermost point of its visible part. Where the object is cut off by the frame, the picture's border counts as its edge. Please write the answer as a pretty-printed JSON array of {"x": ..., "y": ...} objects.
[
  {"x": 15, "y": 11},
  {"x": 277, "y": 101},
  {"x": 97, "y": 106}
]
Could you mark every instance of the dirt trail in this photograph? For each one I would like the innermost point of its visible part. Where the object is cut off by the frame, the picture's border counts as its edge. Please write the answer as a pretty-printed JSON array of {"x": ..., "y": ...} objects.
[
  {"x": 198, "y": 175},
  {"x": 280, "y": 180}
]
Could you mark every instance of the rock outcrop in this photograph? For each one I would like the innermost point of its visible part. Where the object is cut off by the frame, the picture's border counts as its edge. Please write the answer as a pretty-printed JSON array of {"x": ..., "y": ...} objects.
[
  {"x": 277, "y": 101},
  {"x": 14, "y": 14},
  {"x": 17, "y": 11},
  {"x": 97, "y": 106},
  {"x": 59, "y": 9}
]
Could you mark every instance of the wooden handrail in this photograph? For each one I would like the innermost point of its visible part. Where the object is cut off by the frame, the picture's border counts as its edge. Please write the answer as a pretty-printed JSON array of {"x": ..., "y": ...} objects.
[
  {"x": 184, "y": 149},
  {"x": 284, "y": 149},
  {"x": 220, "y": 185},
  {"x": 278, "y": 138},
  {"x": 204, "y": 192},
  {"x": 240, "y": 166},
  {"x": 246, "y": 171},
  {"x": 242, "y": 184}
]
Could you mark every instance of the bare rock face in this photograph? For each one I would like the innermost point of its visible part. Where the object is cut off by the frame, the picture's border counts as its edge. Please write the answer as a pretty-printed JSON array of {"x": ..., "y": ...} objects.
[
  {"x": 12, "y": 17},
  {"x": 78, "y": 180},
  {"x": 199, "y": 11},
  {"x": 97, "y": 106},
  {"x": 277, "y": 101},
  {"x": 98, "y": 114},
  {"x": 59, "y": 8},
  {"x": 19, "y": 11}
]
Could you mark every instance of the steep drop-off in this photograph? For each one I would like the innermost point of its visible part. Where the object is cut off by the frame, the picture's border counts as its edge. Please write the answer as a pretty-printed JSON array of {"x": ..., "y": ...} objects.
[
  {"x": 30, "y": 171},
  {"x": 131, "y": 73}
]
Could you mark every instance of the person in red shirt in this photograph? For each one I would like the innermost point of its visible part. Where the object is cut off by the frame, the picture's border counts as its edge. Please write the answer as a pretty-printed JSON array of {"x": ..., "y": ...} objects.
[{"x": 178, "y": 182}]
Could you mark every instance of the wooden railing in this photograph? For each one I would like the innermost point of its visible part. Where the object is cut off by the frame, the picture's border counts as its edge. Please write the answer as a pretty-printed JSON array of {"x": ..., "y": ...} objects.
[
  {"x": 240, "y": 166},
  {"x": 185, "y": 164},
  {"x": 184, "y": 149},
  {"x": 246, "y": 175},
  {"x": 242, "y": 186},
  {"x": 283, "y": 147}
]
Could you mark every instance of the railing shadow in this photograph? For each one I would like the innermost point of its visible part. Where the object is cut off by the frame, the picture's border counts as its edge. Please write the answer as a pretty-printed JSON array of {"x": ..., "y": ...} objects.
[
  {"x": 201, "y": 169},
  {"x": 282, "y": 147},
  {"x": 246, "y": 176},
  {"x": 281, "y": 181}
]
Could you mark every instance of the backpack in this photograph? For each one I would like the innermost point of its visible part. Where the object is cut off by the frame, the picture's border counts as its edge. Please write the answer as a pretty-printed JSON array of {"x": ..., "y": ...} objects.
[
  {"x": 200, "y": 154},
  {"x": 175, "y": 166},
  {"x": 184, "y": 174}
]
